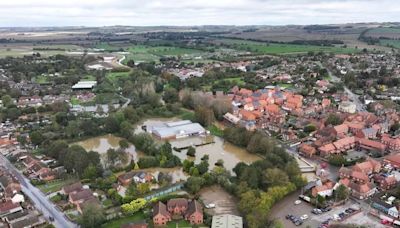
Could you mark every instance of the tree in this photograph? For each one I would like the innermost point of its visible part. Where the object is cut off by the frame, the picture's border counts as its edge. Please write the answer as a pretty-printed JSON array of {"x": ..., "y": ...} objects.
[
  {"x": 275, "y": 177},
  {"x": 204, "y": 116},
  {"x": 130, "y": 63},
  {"x": 191, "y": 151},
  {"x": 341, "y": 193},
  {"x": 111, "y": 124},
  {"x": 36, "y": 137},
  {"x": 134, "y": 206},
  {"x": 90, "y": 172},
  {"x": 187, "y": 164},
  {"x": 143, "y": 188},
  {"x": 132, "y": 190},
  {"x": 194, "y": 184},
  {"x": 7, "y": 100},
  {"x": 62, "y": 118},
  {"x": 203, "y": 167},
  {"x": 92, "y": 217},
  {"x": 309, "y": 128},
  {"x": 124, "y": 144},
  {"x": 171, "y": 95},
  {"x": 333, "y": 119}
]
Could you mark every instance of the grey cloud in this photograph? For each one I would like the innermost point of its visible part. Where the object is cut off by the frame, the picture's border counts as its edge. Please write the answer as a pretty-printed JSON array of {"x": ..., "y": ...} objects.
[{"x": 194, "y": 12}]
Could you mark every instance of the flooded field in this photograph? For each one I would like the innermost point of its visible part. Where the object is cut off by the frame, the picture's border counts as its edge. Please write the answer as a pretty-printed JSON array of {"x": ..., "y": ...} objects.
[
  {"x": 103, "y": 143},
  {"x": 219, "y": 149}
]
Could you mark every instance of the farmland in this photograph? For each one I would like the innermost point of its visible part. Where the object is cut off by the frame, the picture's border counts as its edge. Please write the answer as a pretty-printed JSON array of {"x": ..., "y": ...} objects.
[
  {"x": 390, "y": 43},
  {"x": 274, "y": 48}
]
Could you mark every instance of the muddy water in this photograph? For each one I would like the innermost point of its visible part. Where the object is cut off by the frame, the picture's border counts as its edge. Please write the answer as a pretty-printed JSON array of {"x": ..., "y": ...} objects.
[
  {"x": 230, "y": 154},
  {"x": 103, "y": 143},
  {"x": 177, "y": 174}
]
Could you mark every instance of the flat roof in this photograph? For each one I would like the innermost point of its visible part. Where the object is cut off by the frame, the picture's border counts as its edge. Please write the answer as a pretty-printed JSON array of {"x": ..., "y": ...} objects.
[
  {"x": 227, "y": 221},
  {"x": 84, "y": 85},
  {"x": 172, "y": 129}
]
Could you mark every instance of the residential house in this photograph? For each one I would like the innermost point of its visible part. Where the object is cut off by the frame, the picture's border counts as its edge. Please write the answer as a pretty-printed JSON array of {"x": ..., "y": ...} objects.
[
  {"x": 160, "y": 214},
  {"x": 177, "y": 206},
  {"x": 194, "y": 213},
  {"x": 8, "y": 207},
  {"x": 324, "y": 190},
  {"x": 393, "y": 160},
  {"x": 73, "y": 188},
  {"x": 79, "y": 197},
  {"x": 385, "y": 182},
  {"x": 368, "y": 167},
  {"x": 307, "y": 150}
]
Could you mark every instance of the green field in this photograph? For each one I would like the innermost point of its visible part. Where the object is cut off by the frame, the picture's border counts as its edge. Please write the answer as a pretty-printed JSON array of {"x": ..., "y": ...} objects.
[
  {"x": 113, "y": 76},
  {"x": 118, "y": 222},
  {"x": 390, "y": 43},
  {"x": 384, "y": 30},
  {"x": 273, "y": 48},
  {"x": 143, "y": 53},
  {"x": 41, "y": 79}
]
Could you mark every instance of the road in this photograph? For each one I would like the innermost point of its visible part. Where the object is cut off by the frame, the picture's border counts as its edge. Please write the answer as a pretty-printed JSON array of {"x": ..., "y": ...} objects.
[
  {"x": 40, "y": 201},
  {"x": 353, "y": 97}
]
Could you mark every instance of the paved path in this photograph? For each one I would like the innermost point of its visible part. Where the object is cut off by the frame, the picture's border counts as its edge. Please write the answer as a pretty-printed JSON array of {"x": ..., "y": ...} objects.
[{"x": 38, "y": 198}]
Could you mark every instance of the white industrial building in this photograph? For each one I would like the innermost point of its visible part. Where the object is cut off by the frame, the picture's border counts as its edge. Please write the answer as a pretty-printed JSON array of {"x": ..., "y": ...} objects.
[{"x": 178, "y": 129}]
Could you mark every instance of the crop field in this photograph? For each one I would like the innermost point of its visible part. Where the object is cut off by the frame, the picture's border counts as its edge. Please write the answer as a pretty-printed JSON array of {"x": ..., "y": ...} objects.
[
  {"x": 273, "y": 48},
  {"x": 19, "y": 50},
  {"x": 390, "y": 43},
  {"x": 390, "y": 32}
]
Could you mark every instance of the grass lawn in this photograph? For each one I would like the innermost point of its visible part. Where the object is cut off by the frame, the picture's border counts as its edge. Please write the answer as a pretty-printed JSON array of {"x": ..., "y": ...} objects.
[
  {"x": 89, "y": 78},
  {"x": 285, "y": 85},
  {"x": 54, "y": 186},
  {"x": 216, "y": 131},
  {"x": 273, "y": 48},
  {"x": 41, "y": 79},
  {"x": 113, "y": 76},
  {"x": 187, "y": 115},
  {"x": 116, "y": 223}
]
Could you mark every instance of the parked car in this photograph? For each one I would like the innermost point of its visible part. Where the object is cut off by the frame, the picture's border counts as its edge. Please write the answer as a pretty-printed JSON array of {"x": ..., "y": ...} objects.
[
  {"x": 304, "y": 217},
  {"x": 316, "y": 211},
  {"x": 210, "y": 205},
  {"x": 297, "y": 202}
]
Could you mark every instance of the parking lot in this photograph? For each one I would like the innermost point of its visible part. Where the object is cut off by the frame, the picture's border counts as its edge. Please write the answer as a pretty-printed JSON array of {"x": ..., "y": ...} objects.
[{"x": 287, "y": 206}]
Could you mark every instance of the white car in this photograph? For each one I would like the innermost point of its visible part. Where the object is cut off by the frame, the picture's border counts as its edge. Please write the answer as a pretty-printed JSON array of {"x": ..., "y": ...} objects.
[
  {"x": 210, "y": 205},
  {"x": 297, "y": 202},
  {"x": 304, "y": 217}
]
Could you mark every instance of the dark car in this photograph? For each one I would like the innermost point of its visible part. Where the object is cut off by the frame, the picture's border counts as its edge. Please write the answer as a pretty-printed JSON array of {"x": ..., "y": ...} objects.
[{"x": 288, "y": 216}]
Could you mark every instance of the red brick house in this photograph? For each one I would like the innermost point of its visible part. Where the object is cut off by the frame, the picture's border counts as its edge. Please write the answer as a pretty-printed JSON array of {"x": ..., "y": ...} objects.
[
  {"x": 160, "y": 214},
  {"x": 393, "y": 160},
  {"x": 194, "y": 214},
  {"x": 307, "y": 150},
  {"x": 177, "y": 206},
  {"x": 368, "y": 167},
  {"x": 385, "y": 182}
]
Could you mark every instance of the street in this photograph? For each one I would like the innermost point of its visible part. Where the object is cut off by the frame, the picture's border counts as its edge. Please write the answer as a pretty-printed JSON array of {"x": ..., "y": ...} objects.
[
  {"x": 353, "y": 97},
  {"x": 40, "y": 201}
]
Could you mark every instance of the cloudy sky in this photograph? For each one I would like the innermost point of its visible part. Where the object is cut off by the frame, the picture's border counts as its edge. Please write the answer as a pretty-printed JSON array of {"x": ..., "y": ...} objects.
[{"x": 194, "y": 12}]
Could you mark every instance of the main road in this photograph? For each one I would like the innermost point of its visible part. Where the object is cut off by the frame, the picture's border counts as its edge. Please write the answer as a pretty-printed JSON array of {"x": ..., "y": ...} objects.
[{"x": 38, "y": 198}]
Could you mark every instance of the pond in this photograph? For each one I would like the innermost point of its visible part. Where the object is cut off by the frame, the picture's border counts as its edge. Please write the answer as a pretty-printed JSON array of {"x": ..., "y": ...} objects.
[
  {"x": 103, "y": 143},
  {"x": 230, "y": 154}
]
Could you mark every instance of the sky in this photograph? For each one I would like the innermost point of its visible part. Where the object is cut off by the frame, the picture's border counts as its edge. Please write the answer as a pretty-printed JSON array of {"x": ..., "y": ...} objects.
[{"x": 19, "y": 13}]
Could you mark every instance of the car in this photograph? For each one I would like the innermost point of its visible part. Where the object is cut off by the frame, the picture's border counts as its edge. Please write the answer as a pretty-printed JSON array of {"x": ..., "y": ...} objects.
[
  {"x": 385, "y": 222},
  {"x": 289, "y": 216},
  {"x": 51, "y": 219},
  {"x": 298, "y": 222},
  {"x": 210, "y": 205},
  {"x": 326, "y": 209},
  {"x": 297, "y": 202},
  {"x": 316, "y": 211},
  {"x": 304, "y": 217}
]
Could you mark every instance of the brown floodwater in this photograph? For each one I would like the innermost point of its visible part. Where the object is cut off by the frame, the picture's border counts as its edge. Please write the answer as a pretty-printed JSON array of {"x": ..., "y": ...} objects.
[
  {"x": 230, "y": 154},
  {"x": 103, "y": 143}
]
